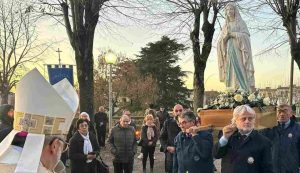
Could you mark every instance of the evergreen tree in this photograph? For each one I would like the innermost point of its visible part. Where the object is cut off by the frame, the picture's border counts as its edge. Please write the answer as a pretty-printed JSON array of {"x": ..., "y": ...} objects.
[{"x": 159, "y": 60}]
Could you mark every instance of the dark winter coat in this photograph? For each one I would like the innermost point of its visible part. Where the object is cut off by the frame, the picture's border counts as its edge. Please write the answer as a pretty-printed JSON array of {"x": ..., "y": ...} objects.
[
  {"x": 285, "y": 147},
  {"x": 168, "y": 133},
  {"x": 193, "y": 154},
  {"x": 6, "y": 122},
  {"x": 253, "y": 155},
  {"x": 144, "y": 139},
  {"x": 101, "y": 120},
  {"x": 123, "y": 144},
  {"x": 76, "y": 155},
  {"x": 162, "y": 116}
]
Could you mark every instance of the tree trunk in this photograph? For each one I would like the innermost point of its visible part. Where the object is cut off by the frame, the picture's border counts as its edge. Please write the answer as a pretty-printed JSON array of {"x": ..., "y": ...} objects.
[
  {"x": 4, "y": 97},
  {"x": 85, "y": 76},
  {"x": 85, "y": 15},
  {"x": 200, "y": 59}
]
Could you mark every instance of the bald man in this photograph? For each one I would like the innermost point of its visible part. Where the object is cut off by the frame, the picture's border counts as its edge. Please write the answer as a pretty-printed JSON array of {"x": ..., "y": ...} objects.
[
  {"x": 123, "y": 145},
  {"x": 168, "y": 133}
]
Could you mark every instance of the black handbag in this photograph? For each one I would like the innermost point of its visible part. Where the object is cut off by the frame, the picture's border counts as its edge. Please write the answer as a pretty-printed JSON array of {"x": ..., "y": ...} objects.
[{"x": 101, "y": 166}]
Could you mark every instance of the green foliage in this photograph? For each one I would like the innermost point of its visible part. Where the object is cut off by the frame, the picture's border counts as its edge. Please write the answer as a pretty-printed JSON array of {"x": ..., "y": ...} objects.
[{"x": 159, "y": 60}]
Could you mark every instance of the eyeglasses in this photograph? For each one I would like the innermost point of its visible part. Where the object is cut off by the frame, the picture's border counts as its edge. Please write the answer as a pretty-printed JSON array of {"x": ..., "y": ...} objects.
[
  {"x": 65, "y": 144},
  {"x": 182, "y": 123},
  {"x": 178, "y": 110},
  {"x": 245, "y": 118}
]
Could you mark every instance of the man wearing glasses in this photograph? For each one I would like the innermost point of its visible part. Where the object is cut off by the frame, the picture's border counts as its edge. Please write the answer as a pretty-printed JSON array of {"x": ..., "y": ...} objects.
[
  {"x": 168, "y": 133},
  {"x": 193, "y": 149},
  {"x": 40, "y": 122},
  {"x": 285, "y": 139},
  {"x": 242, "y": 148}
]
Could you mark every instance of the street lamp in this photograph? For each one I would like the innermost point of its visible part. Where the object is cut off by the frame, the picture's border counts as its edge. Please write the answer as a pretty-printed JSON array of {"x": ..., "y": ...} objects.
[{"x": 110, "y": 59}]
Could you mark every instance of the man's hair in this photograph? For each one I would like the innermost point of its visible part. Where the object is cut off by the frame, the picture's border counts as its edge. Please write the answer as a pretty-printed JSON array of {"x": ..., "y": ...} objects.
[
  {"x": 282, "y": 106},
  {"x": 101, "y": 108},
  {"x": 240, "y": 110},
  {"x": 80, "y": 121},
  {"x": 189, "y": 116},
  {"x": 50, "y": 138}
]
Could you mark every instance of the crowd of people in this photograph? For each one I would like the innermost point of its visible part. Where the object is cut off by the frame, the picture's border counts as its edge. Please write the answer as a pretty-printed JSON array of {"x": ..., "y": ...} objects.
[{"x": 187, "y": 148}]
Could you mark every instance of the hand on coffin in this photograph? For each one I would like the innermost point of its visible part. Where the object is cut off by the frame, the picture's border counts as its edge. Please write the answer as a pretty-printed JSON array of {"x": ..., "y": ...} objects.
[{"x": 229, "y": 130}]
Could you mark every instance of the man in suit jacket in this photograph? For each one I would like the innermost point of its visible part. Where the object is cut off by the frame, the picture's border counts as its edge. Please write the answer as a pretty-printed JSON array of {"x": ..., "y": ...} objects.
[{"x": 242, "y": 148}]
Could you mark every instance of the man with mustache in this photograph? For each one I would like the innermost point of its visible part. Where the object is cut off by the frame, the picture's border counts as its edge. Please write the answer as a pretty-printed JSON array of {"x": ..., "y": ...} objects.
[{"x": 242, "y": 148}]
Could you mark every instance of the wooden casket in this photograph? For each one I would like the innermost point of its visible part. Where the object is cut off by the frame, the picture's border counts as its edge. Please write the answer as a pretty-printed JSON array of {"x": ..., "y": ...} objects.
[{"x": 218, "y": 118}]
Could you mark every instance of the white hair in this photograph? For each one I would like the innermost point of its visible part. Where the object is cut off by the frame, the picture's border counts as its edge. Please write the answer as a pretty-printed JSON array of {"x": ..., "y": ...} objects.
[
  {"x": 84, "y": 113},
  {"x": 239, "y": 110}
]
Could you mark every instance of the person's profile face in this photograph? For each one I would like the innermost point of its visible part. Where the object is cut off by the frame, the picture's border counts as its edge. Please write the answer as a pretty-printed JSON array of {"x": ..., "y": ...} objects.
[
  {"x": 184, "y": 124},
  {"x": 10, "y": 113}
]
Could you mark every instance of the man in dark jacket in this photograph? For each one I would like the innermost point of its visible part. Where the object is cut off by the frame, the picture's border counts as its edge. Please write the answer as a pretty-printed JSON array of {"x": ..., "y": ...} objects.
[
  {"x": 123, "y": 145},
  {"x": 193, "y": 149},
  {"x": 285, "y": 140},
  {"x": 6, "y": 120},
  {"x": 101, "y": 121},
  {"x": 243, "y": 149},
  {"x": 167, "y": 135},
  {"x": 162, "y": 115}
]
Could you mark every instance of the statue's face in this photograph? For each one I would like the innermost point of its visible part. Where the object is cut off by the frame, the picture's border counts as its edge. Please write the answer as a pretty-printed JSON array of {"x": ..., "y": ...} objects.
[{"x": 230, "y": 12}]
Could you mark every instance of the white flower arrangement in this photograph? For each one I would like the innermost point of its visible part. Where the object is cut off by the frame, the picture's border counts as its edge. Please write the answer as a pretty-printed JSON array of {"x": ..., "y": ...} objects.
[{"x": 231, "y": 99}]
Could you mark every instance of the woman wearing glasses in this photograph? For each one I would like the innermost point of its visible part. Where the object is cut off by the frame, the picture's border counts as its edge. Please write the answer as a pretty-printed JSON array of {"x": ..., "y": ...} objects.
[{"x": 84, "y": 149}]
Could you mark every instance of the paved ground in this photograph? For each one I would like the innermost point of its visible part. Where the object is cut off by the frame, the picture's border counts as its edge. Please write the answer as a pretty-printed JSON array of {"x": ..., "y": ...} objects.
[{"x": 158, "y": 163}]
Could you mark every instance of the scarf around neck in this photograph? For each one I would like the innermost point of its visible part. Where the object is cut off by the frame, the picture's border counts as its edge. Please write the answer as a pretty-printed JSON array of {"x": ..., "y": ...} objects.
[{"x": 87, "y": 145}]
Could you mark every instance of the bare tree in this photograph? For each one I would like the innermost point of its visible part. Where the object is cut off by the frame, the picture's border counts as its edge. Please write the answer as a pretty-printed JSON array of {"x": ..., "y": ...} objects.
[
  {"x": 288, "y": 11},
  {"x": 18, "y": 43},
  {"x": 80, "y": 19},
  {"x": 200, "y": 17}
]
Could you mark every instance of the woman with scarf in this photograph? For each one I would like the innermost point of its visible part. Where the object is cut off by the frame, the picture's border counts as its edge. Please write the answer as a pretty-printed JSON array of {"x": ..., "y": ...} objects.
[
  {"x": 84, "y": 149},
  {"x": 148, "y": 140},
  {"x": 6, "y": 120}
]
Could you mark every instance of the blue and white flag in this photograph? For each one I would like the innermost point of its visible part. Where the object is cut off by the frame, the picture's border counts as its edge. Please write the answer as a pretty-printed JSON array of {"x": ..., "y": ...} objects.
[{"x": 57, "y": 73}]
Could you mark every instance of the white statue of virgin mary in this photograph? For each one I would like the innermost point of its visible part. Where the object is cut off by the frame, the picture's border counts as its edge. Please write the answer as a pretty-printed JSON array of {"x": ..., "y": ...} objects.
[{"x": 234, "y": 52}]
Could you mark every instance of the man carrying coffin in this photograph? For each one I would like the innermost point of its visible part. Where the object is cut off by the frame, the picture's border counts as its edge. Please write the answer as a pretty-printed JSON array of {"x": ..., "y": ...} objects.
[
  {"x": 285, "y": 139},
  {"x": 243, "y": 149},
  {"x": 43, "y": 115}
]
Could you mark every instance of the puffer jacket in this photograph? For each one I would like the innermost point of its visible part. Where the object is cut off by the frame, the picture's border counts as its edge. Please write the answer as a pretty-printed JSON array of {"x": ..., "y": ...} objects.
[
  {"x": 285, "y": 147},
  {"x": 122, "y": 143}
]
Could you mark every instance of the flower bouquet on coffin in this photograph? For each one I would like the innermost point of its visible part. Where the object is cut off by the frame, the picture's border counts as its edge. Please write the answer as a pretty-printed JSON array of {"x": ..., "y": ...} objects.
[{"x": 219, "y": 112}]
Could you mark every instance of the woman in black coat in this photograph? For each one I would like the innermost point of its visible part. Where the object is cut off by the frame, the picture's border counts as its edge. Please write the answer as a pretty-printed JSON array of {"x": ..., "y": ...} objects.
[
  {"x": 84, "y": 149},
  {"x": 149, "y": 138}
]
